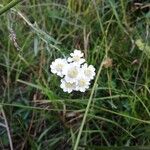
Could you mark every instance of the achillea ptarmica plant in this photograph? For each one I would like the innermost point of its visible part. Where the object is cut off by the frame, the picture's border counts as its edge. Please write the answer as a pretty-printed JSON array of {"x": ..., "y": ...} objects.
[{"x": 76, "y": 74}]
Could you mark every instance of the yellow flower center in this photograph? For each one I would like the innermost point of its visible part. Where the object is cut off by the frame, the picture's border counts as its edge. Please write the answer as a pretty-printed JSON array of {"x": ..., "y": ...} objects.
[
  {"x": 59, "y": 67},
  {"x": 72, "y": 73},
  {"x": 82, "y": 83},
  {"x": 76, "y": 58},
  {"x": 87, "y": 72},
  {"x": 69, "y": 85}
]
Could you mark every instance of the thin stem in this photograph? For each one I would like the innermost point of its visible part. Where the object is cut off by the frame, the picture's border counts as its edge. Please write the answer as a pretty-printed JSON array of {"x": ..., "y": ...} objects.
[
  {"x": 87, "y": 108},
  {"x": 7, "y": 128},
  {"x": 9, "y": 6}
]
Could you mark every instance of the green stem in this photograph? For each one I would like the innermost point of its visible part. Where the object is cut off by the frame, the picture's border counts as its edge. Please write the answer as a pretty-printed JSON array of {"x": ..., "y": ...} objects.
[
  {"x": 9, "y": 6},
  {"x": 87, "y": 108}
]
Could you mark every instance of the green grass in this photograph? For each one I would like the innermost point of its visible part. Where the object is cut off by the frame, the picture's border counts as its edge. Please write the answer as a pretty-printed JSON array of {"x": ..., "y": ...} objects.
[{"x": 35, "y": 113}]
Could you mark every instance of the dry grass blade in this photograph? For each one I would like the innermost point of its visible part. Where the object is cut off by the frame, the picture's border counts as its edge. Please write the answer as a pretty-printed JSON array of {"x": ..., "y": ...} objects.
[{"x": 7, "y": 128}]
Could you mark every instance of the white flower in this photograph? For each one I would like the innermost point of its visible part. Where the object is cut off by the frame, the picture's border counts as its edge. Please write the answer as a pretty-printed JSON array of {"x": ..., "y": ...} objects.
[
  {"x": 76, "y": 56},
  {"x": 67, "y": 86},
  {"x": 75, "y": 76},
  {"x": 89, "y": 71},
  {"x": 82, "y": 84},
  {"x": 71, "y": 72},
  {"x": 57, "y": 66}
]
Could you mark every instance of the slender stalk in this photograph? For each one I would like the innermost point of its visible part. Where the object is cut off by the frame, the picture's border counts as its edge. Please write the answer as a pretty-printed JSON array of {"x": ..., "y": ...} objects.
[
  {"x": 87, "y": 108},
  {"x": 7, "y": 128},
  {"x": 9, "y": 6}
]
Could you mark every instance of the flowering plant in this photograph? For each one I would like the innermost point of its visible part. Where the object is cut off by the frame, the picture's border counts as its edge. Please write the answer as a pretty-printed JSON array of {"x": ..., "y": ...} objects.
[{"x": 74, "y": 71}]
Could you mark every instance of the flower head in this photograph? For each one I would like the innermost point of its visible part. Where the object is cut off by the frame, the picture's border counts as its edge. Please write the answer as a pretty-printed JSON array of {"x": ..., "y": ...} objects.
[
  {"x": 71, "y": 72},
  {"x": 108, "y": 62},
  {"x": 82, "y": 83},
  {"x": 67, "y": 86},
  {"x": 76, "y": 56},
  {"x": 89, "y": 71},
  {"x": 57, "y": 66}
]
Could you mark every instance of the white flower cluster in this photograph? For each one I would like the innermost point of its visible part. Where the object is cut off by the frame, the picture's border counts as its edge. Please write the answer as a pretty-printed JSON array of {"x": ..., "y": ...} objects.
[{"x": 76, "y": 74}]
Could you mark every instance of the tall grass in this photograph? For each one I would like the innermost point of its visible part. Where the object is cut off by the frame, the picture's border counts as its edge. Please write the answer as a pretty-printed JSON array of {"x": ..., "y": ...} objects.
[{"x": 36, "y": 113}]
